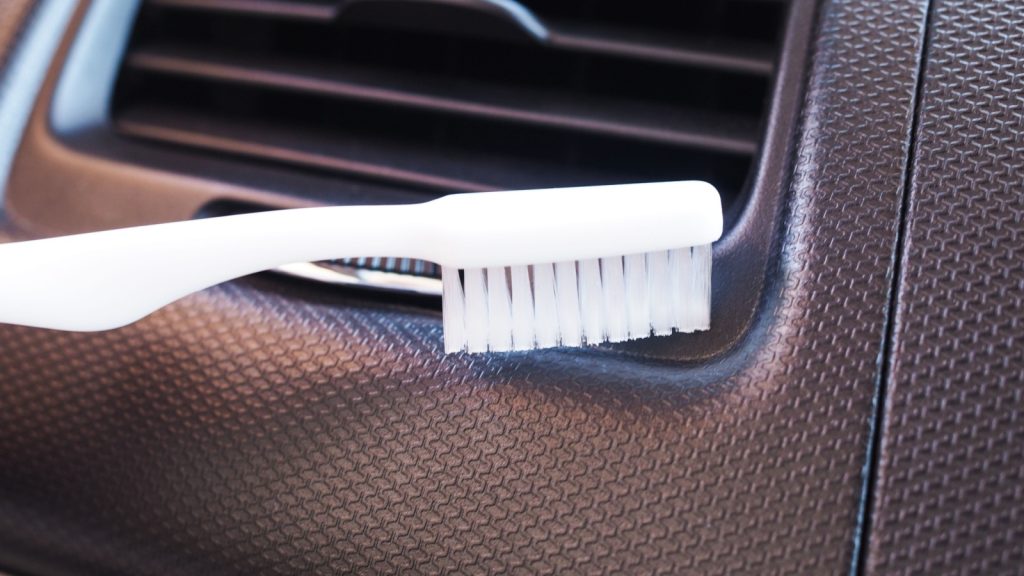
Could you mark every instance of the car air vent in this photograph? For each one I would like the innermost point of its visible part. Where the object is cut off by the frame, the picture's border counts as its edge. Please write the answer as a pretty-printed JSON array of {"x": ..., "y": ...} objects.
[{"x": 439, "y": 96}]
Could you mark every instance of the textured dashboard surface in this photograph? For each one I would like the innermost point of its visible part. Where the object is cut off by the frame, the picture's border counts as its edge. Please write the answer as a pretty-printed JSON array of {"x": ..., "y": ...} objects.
[
  {"x": 950, "y": 488},
  {"x": 269, "y": 427}
]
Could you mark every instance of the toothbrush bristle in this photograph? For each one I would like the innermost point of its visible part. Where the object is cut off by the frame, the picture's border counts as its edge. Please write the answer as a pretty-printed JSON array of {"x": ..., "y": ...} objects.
[{"x": 571, "y": 303}]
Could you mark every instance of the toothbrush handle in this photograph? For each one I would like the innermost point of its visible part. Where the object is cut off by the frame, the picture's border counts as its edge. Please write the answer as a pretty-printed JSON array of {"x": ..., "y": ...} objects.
[
  {"x": 104, "y": 280},
  {"x": 108, "y": 279}
]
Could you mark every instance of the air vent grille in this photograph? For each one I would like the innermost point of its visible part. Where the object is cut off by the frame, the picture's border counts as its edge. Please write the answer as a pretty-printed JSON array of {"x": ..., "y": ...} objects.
[{"x": 441, "y": 96}]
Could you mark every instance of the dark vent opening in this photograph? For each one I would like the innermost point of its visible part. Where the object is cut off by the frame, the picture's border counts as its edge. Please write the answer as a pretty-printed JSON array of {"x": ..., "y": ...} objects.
[{"x": 658, "y": 91}]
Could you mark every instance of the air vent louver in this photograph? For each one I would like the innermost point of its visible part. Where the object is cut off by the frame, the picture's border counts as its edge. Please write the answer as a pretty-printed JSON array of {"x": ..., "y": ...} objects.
[{"x": 440, "y": 96}]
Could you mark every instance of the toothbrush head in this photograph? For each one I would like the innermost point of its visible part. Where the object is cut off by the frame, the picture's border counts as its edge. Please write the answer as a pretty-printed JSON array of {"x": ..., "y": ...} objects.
[
  {"x": 572, "y": 303},
  {"x": 495, "y": 299}
]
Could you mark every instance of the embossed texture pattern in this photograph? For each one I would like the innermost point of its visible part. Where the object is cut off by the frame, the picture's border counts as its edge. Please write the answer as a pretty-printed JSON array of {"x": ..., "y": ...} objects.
[
  {"x": 267, "y": 427},
  {"x": 950, "y": 489}
]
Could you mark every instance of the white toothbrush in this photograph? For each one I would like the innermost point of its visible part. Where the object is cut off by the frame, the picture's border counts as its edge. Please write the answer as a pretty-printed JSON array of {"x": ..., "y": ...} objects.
[{"x": 520, "y": 270}]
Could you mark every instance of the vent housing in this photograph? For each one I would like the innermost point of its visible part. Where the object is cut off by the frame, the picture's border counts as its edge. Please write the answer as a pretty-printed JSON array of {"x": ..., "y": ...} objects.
[{"x": 439, "y": 96}]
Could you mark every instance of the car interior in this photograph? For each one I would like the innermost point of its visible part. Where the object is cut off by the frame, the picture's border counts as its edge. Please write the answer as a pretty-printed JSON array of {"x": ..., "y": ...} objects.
[{"x": 855, "y": 405}]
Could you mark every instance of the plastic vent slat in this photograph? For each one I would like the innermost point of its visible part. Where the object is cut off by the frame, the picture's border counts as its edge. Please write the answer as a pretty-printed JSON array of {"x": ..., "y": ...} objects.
[
  {"x": 673, "y": 126},
  {"x": 322, "y": 11},
  {"x": 597, "y": 40},
  {"x": 439, "y": 96},
  {"x": 745, "y": 59},
  {"x": 438, "y": 171},
  {"x": 274, "y": 144}
]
